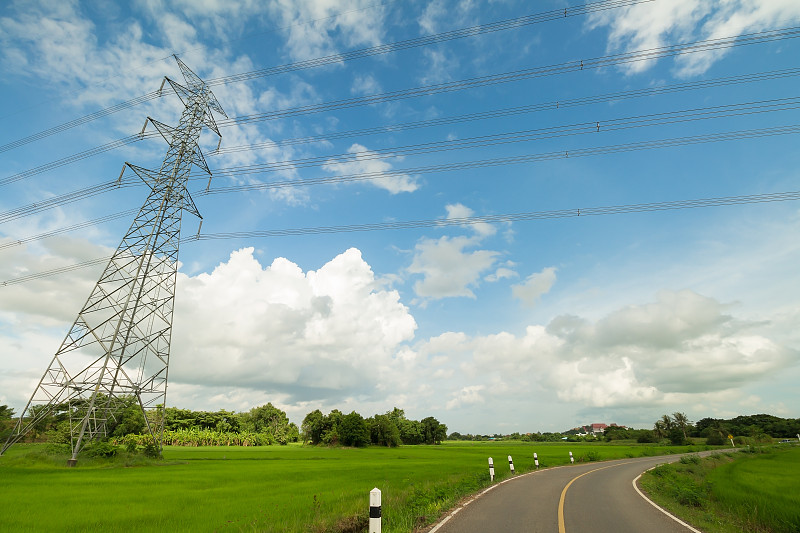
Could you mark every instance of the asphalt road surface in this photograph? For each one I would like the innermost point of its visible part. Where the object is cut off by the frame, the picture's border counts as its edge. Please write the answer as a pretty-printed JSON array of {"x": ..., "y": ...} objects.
[{"x": 589, "y": 497}]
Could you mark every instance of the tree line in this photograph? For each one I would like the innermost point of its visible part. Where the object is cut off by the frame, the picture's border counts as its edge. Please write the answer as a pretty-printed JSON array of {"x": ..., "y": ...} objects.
[
  {"x": 262, "y": 425},
  {"x": 677, "y": 428},
  {"x": 389, "y": 429}
]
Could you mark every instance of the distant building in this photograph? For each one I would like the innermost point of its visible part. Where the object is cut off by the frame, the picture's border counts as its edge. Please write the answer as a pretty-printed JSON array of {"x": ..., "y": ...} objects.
[{"x": 591, "y": 429}]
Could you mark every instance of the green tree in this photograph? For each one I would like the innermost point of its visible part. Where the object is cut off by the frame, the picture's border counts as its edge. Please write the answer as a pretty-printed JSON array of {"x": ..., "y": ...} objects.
[
  {"x": 384, "y": 431},
  {"x": 433, "y": 431},
  {"x": 681, "y": 421},
  {"x": 6, "y": 413},
  {"x": 353, "y": 430},
  {"x": 129, "y": 419},
  {"x": 411, "y": 431},
  {"x": 313, "y": 426},
  {"x": 271, "y": 421}
]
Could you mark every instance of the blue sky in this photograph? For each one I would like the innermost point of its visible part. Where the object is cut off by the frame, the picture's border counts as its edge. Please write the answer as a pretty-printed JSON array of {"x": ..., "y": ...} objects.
[{"x": 490, "y": 327}]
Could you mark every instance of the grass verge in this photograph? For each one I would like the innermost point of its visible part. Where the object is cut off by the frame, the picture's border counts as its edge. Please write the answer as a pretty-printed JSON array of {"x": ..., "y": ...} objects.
[{"x": 753, "y": 490}]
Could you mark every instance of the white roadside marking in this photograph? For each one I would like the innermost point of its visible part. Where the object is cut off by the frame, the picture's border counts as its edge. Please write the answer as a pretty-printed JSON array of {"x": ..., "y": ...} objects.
[{"x": 651, "y": 502}]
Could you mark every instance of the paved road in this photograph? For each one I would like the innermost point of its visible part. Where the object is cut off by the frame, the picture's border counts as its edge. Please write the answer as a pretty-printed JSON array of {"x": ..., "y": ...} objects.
[{"x": 597, "y": 497}]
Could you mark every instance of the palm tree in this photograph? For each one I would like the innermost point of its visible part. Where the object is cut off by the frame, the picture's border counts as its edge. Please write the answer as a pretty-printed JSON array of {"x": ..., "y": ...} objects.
[
  {"x": 659, "y": 430},
  {"x": 681, "y": 421}
]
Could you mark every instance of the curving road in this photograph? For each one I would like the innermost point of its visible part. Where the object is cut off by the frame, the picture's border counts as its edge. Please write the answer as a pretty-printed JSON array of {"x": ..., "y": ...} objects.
[{"x": 597, "y": 497}]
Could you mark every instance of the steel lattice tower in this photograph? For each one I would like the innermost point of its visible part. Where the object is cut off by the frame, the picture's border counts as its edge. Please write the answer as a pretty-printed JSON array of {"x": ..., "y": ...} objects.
[{"x": 118, "y": 347}]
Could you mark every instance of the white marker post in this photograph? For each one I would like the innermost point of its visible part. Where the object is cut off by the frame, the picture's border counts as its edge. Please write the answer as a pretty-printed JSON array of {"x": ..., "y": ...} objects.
[
  {"x": 491, "y": 469},
  {"x": 798, "y": 437},
  {"x": 731, "y": 437},
  {"x": 571, "y": 459},
  {"x": 536, "y": 460},
  {"x": 511, "y": 464},
  {"x": 375, "y": 510}
]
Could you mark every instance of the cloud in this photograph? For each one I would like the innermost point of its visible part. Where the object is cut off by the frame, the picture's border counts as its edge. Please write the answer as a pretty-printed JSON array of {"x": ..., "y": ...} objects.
[
  {"x": 466, "y": 396},
  {"x": 656, "y": 24},
  {"x": 361, "y": 163},
  {"x": 48, "y": 299},
  {"x": 365, "y": 84},
  {"x": 501, "y": 273},
  {"x": 100, "y": 64},
  {"x": 534, "y": 286},
  {"x": 460, "y": 211},
  {"x": 450, "y": 266},
  {"x": 313, "y": 27},
  {"x": 680, "y": 346},
  {"x": 438, "y": 16},
  {"x": 328, "y": 333},
  {"x": 448, "y": 269}
]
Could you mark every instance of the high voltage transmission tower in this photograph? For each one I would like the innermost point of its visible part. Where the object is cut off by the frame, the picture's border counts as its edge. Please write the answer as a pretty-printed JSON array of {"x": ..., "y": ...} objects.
[{"x": 117, "y": 351}]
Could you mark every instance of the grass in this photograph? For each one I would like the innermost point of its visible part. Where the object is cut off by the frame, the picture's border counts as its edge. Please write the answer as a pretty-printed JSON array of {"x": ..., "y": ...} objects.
[
  {"x": 273, "y": 489},
  {"x": 755, "y": 491}
]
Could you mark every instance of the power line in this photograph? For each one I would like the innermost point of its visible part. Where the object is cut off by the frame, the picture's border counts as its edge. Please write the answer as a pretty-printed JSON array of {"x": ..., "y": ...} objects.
[
  {"x": 582, "y": 128},
  {"x": 512, "y": 111},
  {"x": 469, "y": 83},
  {"x": 512, "y": 217},
  {"x": 67, "y": 198},
  {"x": 431, "y": 169},
  {"x": 472, "y": 31},
  {"x": 463, "y": 221},
  {"x": 67, "y": 229},
  {"x": 512, "y": 160},
  {"x": 113, "y": 145},
  {"x": 523, "y": 74},
  {"x": 338, "y": 58},
  {"x": 469, "y": 117}
]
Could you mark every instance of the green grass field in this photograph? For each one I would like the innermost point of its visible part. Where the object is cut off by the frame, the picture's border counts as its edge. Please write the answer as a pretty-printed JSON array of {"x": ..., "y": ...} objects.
[
  {"x": 275, "y": 488},
  {"x": 754, "y": 492}
]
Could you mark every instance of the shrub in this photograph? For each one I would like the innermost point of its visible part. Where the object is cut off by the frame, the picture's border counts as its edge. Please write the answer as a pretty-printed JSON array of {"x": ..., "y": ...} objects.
[
  {"x": 101, "y": 449},
  {"x": 676, "y": 437},
  {"x": 688, "y": 493},
  {"x": 646, "y": 437},
  {"x": 151, "y": 450}
]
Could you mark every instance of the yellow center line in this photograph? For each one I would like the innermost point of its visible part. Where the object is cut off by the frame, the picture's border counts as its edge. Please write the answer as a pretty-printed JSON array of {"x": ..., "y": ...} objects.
[{"x": 561, "y": 527}]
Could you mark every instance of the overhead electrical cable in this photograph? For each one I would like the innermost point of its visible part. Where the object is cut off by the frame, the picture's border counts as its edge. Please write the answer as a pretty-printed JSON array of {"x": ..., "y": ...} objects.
[
  {"x": 431, "y": 169},
  {"x": 472, "y": 31},
  {"x": 463, "y": 221},
  {"x": 66, "y": 198},
  {"x": 582, "y": 128},
  {"x": 77, "y": 157},
  {"x": 512, "y": 217},
  {"x": 512, "y": 160},
  {"x": 488, "y": 140},
  {"x": 518, "y": 110},
  {"x": 518, "y": 75},
  {"x": 469, "y": 117},
  {"x": 67, "y": 229},
  {"x": 504, "y": 77},
  {"x": 425, "y": 40}
]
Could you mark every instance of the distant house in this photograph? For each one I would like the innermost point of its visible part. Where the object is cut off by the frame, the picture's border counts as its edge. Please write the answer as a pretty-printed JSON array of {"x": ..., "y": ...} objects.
[{"x": 596, "y": 430}]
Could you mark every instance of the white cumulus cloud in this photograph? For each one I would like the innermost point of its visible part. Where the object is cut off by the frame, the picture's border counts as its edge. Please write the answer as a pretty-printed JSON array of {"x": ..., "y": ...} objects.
[{"x": 314, "y": 334}]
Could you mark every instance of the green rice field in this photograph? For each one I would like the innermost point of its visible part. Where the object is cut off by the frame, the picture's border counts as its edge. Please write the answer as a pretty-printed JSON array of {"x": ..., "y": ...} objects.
[
  {"x": 755, "y": 492},
  {"x": 272, "y": 488}
]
